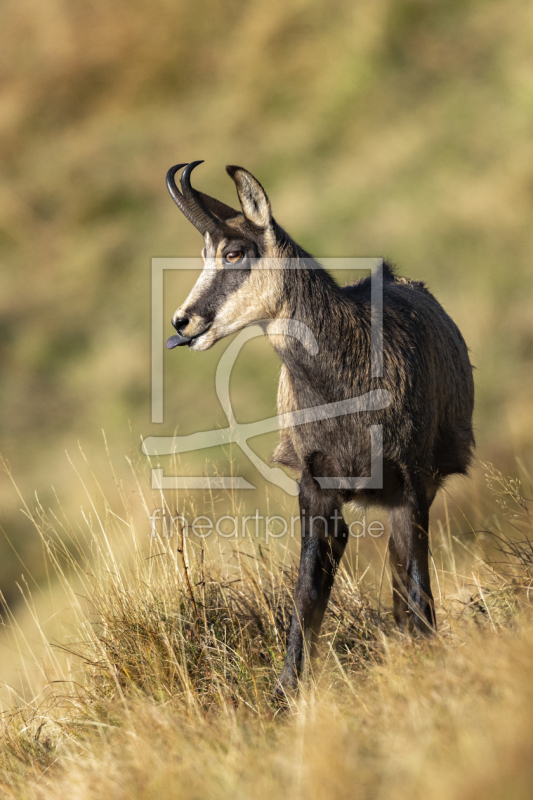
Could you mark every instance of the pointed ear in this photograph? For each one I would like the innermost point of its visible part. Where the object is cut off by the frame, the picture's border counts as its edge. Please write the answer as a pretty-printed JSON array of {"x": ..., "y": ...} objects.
[
  {"x": 252, "y": 196},
  {"x": 217, "y": 207}
]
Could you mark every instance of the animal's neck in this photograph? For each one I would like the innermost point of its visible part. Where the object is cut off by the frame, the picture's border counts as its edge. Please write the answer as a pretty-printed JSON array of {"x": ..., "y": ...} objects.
[{"x": 313, "y": 299}]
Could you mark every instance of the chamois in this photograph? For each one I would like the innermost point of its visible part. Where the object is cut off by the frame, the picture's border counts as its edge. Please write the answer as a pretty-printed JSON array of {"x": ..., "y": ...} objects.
[{"x": 426, "y": 427}]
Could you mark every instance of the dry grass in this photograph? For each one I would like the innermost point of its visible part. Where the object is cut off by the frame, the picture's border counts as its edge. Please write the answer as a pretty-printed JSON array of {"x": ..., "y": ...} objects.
[{"x": 161, "y": 681}]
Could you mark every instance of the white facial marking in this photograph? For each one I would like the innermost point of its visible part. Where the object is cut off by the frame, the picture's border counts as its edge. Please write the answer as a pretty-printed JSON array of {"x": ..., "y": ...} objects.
[{"x": 206, "y": 277}]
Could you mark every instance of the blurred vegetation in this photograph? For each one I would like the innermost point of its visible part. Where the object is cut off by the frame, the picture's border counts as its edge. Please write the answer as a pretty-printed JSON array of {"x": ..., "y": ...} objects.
[{"x": 401, "y": 128}]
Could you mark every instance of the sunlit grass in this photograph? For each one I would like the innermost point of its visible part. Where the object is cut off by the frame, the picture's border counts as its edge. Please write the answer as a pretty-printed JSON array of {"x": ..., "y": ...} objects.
[{"x": 169, "y": 648}]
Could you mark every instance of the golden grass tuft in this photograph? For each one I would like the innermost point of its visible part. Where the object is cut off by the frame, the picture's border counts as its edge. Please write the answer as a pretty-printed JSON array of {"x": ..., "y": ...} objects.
[{"x": 162, "y": 681}]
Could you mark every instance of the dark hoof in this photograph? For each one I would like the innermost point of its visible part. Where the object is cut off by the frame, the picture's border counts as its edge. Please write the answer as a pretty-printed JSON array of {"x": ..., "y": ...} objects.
[
  {"x": 280, "y": 699},
  {"x": 421, "y": 628},
  {"x": 285, "y": 692}
]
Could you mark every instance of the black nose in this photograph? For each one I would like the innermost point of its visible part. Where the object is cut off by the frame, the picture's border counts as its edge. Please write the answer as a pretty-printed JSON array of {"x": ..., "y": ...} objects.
[
  {"x": 179, "y": 340},
  {"x": 179, "y": 323}
]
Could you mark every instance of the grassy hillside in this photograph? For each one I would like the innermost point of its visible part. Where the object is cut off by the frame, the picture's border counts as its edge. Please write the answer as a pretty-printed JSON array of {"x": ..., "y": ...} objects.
[{"x": 164, "y": 655}]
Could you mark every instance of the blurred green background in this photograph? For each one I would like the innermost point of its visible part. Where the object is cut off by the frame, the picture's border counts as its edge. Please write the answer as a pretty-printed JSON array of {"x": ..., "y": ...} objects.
[{"x": 397, "y": 128}]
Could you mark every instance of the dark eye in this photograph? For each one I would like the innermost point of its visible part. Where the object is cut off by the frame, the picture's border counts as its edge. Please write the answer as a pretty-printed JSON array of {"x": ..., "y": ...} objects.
[{"x": 234, "y": 256}]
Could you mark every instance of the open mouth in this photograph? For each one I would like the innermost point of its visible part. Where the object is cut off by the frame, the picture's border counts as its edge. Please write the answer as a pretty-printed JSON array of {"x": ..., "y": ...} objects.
[{"x": 178, "y": 341}]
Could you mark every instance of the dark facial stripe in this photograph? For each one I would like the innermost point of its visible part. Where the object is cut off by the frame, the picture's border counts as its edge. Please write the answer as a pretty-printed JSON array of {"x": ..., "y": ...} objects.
[{"x": 225, "y": 283}]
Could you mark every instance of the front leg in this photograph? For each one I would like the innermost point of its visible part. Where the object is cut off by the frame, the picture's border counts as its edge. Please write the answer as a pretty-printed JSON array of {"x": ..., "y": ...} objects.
[{"x": 324, "y": 538}]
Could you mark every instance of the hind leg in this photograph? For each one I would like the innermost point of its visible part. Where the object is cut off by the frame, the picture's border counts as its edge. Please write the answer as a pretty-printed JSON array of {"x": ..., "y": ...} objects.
[
  {"x": 399, "y": 582},
  {"x": 409, "y": 559}
]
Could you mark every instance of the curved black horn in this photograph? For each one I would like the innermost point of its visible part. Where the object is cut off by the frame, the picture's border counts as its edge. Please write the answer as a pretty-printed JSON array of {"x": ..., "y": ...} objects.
[
  {"x": 189, "y": 203},
  {"x": 193, "y": 200}
]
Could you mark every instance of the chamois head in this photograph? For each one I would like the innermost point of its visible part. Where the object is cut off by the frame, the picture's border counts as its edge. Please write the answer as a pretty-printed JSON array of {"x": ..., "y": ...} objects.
[{"x": 236, "y": 286}]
